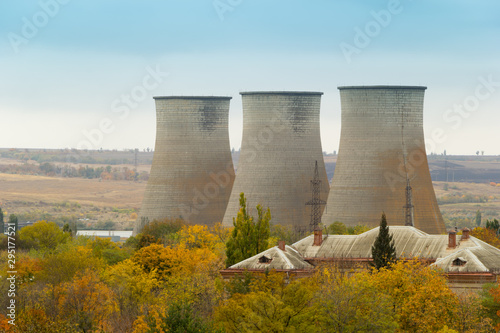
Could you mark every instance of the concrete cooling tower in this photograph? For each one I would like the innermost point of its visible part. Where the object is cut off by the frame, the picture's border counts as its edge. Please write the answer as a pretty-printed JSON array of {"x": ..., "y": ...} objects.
[
  {"x": 382, "y": 163},
  {"x": 281, "y": 142},
  {"x": 192, "y": 172}
]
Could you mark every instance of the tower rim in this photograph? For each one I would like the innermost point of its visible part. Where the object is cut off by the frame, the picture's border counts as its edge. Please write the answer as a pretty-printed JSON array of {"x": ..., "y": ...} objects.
[
  {"x": 192, "y": 97},
  {"x": 298, "y": 93},
  {"x": 382, "y": 87}
]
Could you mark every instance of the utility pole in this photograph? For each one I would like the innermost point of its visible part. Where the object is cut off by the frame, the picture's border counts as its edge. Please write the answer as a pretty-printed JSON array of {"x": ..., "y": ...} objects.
[
  {"x": 409, "y": 205},
  {"x": 316, "y": 201}
]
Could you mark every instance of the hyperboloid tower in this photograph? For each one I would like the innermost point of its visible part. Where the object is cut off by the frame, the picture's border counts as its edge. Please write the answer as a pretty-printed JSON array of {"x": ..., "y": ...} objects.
[
  {"x": 192, "y": 172},
  {"x": 281, "y": 142},
  {"x": 382, "y": 163}
]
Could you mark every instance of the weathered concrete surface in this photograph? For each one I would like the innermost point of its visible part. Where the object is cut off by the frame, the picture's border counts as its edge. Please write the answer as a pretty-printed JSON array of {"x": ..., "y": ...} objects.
[
  {"x": 281, "y": 142},
  {"x": 382, "y": 141},
  {"x": 192, "y": 172}
]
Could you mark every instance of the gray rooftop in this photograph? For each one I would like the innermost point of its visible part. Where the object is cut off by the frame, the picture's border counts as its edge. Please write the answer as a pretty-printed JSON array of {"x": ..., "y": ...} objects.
[
  {"x": 474, "y": 255},
  {"x": 277, "y": 259}
]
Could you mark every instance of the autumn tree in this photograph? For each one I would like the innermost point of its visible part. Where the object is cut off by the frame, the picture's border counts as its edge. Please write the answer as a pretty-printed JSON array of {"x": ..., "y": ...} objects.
[
  {"x": 168, "y": 260},
  {"x": 63, "y": 266},
  {"x": 353, "y": 302},
  {"x": 468, "y": 314},
  {"x": 491, "y": 303},
  {"x": 87, "y": 301},
  {"x": 43, "y": 235},
  {"x": 273, "y": 305},
  {"x": 106, "y": 249},
  {"x": 164, "y": 231},
  {"x": 337, "y": 228},
  {"x": 420, "y": 296},
  {"x": 248, "y": 237},
  {"x": 487, "y": 235},
  {"x": 134, "y": 289},
  {"x": 383, "y": 249}
]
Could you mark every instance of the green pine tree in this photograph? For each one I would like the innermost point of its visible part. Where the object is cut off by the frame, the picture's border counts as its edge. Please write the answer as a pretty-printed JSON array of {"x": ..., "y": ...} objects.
[
  {"x": 2, "y": 225},
  {"x": 478, "y": 218},
  {"x": 383, "y": 250},
  {"x": 248, "y": 237},
  {"x": 13, "y": 220}
]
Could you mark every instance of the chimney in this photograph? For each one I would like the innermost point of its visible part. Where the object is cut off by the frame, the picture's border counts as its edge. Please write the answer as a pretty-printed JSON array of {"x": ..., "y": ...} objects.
[
  {"x": 465, "y": 233},
  {"x": 281, "y": 245},
  {"x": 452, "y": 240},
  {"x": 318, "y": 237}
]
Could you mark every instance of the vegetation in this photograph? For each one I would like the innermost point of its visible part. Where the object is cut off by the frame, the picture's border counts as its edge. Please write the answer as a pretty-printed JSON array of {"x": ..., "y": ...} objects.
[
  {"x": 383, "y": 249},
  {"x": 2, "y": 225},
  {"x": 487, "y": 235},
  {"x": 339, "y": 228},
  {"x": 79, "y": 284},
  {"x": 68, "y": 171},
  {"x": 248, "y": 237}
]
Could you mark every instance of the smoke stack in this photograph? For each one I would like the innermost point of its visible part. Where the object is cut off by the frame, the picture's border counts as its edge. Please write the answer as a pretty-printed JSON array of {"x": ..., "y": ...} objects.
[
  {"x": 192, "y": 172},
  {"x": 281, "y": 245},
  {"x": 465, "y": 234},
  {"x": 318, "y": 237},
  {"x": 281, "y": 142},
  {"x": 381, "y": 153},
  {"x": 452, "y": 240}
]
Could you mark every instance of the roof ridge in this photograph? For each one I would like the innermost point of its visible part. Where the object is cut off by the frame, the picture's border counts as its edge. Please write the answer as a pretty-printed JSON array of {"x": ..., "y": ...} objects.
[
  {"x": 284, "y": 257},
  {"x": 476, "y": 259}
]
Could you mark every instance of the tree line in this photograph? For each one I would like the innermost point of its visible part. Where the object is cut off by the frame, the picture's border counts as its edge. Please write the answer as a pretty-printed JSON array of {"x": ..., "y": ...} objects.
[{"x": 167, "y": 279}]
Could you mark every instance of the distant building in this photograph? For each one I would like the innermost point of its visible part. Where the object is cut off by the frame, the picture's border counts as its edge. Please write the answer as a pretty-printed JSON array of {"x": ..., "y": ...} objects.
[{"x": 467, "y": 261}]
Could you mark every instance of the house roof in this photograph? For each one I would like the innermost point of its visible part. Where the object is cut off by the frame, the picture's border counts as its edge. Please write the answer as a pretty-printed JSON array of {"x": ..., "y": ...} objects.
[
  {"x": 277, "y": 259},
  {"x": 410, "y": 242},
  {"x": 479, "y": 256}
]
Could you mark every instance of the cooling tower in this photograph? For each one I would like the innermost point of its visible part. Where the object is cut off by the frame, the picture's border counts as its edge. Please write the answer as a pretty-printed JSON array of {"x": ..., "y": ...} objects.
[
  {"x": 192, "y": 172},
  {"x": 381, "y": 151},
  {"x": 281, "y": 142}
]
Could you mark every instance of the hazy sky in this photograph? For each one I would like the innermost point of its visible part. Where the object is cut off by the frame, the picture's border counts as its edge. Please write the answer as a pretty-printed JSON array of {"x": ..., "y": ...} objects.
[{"x": 82, "y": 73}]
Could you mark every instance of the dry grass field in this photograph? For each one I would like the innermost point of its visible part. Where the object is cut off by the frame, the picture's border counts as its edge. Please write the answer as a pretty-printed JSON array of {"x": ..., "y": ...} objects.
[
  {"x": 91, "y": 201},
  {"x": 34, "y": 197},
  {"x": 484, "y": 197}
]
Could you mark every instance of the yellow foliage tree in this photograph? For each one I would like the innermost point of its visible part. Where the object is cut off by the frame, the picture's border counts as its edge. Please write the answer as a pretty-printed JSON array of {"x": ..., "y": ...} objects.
[
  {"x": 197, "y": 236},
  {"x": 134, "y": 289},
  {"x": 421, "y": 298},
  {"x": 168, "y": 260},
  {"x": 486, "y": 235},
  {"x": 43, "y": 235},
  {"x": 87, "y": 301},
  {"x": 63, "y": 266},
  {"x": 353, "y": 303},
  {"x": 273, "y": 305}
]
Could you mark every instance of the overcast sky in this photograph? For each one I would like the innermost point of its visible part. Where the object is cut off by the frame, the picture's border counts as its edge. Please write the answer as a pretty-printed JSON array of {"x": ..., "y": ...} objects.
[{"x": 82, "y": 73}]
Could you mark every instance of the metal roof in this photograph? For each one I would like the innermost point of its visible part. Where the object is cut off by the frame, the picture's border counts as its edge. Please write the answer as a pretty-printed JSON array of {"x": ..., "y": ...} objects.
[
  {"x": 409, "y": 241},
  {"x": 282, "y": 260}
]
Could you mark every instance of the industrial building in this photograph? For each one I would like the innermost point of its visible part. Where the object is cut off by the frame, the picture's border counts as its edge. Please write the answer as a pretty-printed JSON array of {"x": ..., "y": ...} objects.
[
  {"x": 280, "y": 147},
  {"x": 467, "y": 261},
  {"x": 382, "y": 162},
  {"x": 192, "y": 172}
]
